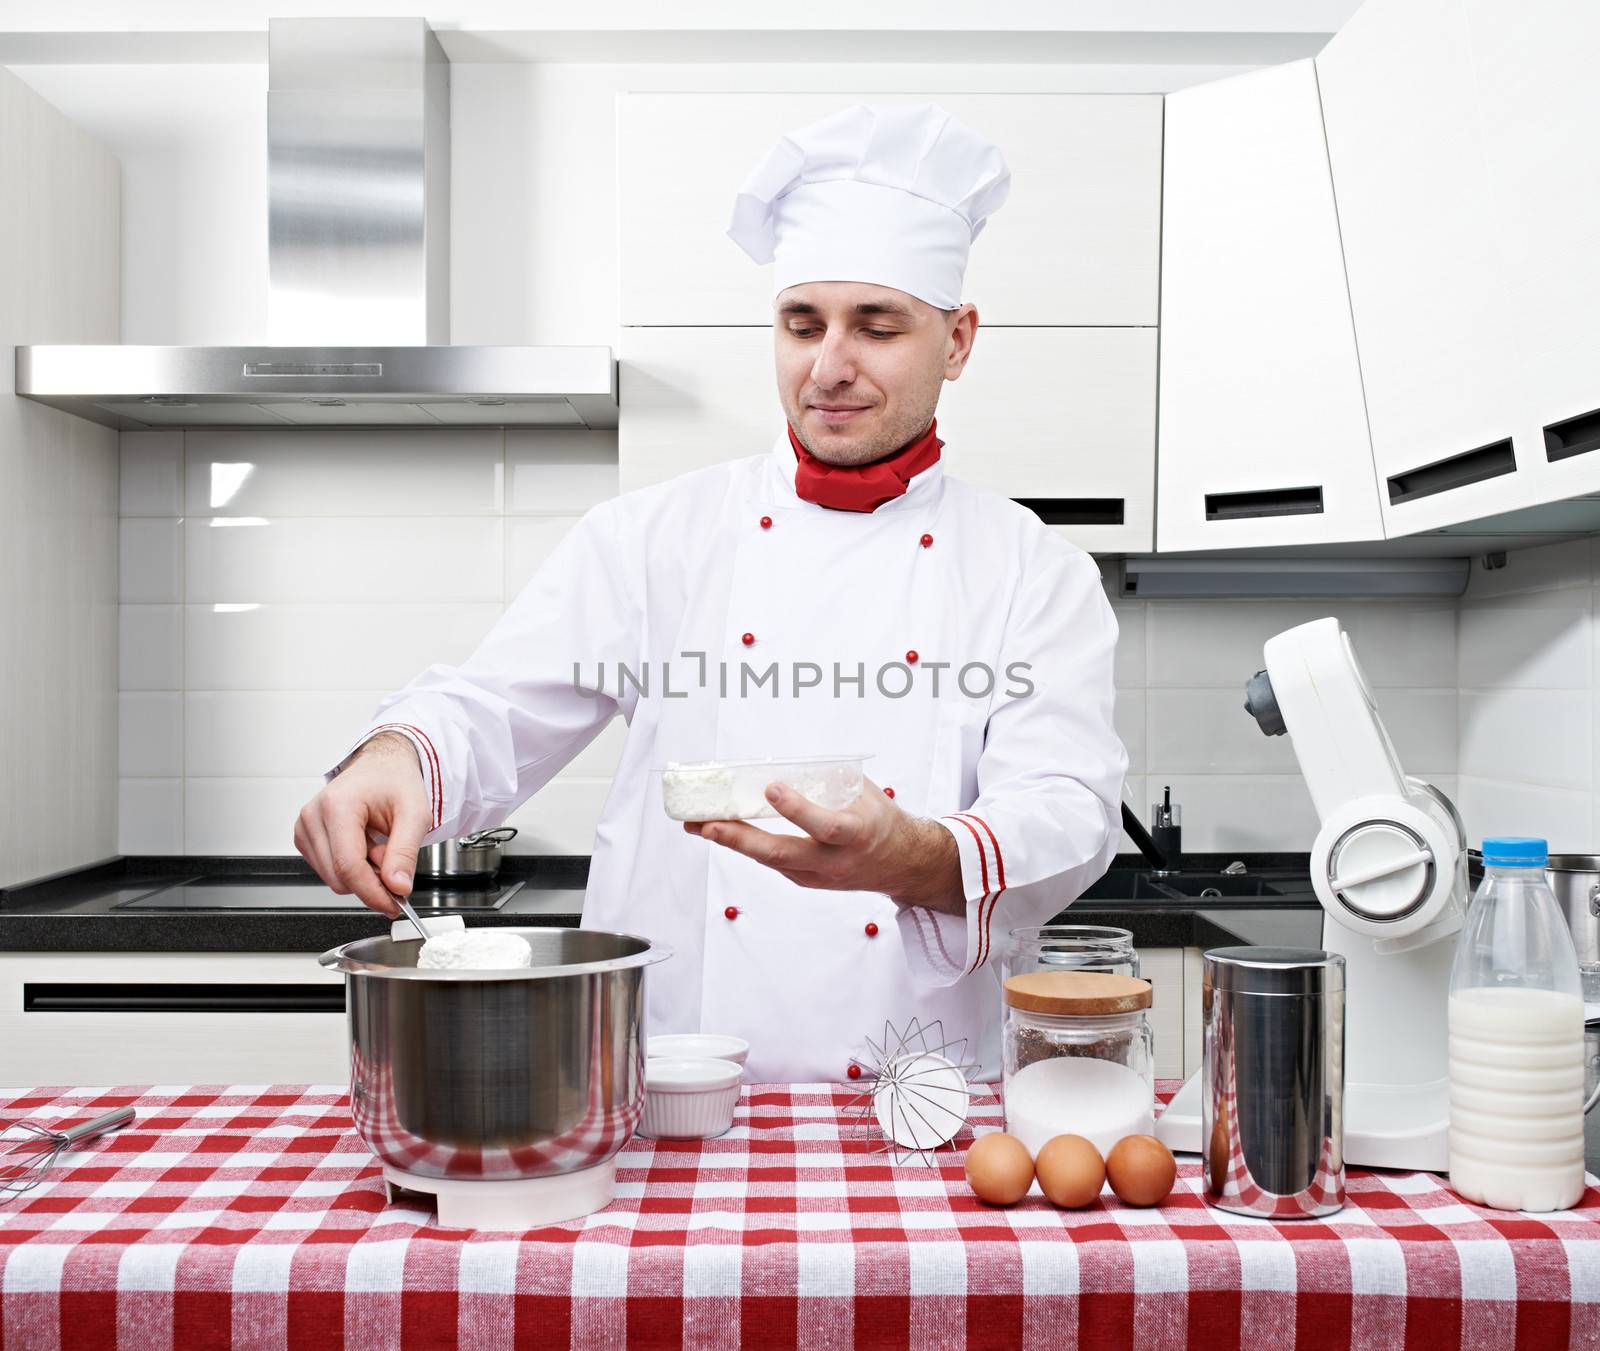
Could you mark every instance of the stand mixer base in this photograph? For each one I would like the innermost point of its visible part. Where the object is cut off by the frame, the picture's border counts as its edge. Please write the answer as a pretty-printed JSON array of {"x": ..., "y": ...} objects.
[
  {"x": 1384, "y": 1126},
  {"x": 523, "y": 1203}
]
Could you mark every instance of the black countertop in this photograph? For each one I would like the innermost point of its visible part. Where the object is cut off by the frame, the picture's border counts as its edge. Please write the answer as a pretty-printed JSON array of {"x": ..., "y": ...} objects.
[{"x": 179, "y": 904}]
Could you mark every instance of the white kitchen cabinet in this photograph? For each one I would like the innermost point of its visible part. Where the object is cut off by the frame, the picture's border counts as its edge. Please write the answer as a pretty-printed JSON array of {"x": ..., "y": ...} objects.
[
  {"x": 1539, "y": 111},
  {"x": 73, "y": 1018},
  {"x": 1461, "y": 142},
  {"x": 1193, "y": 1010},
  {"x": 1263, "y": 430},
  {"x": 1076, "y": 243},
  {"x": 1164, "y": 969},
  {"x": 1063, "y": 418}
]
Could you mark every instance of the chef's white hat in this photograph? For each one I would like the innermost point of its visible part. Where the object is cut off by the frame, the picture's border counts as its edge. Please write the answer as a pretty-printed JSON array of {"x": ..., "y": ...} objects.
[{"x": 892, "y": 194}]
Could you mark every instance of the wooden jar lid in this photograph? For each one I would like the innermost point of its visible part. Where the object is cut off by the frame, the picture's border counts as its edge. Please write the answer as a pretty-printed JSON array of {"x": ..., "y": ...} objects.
[{"x": 1077, "y": 992}]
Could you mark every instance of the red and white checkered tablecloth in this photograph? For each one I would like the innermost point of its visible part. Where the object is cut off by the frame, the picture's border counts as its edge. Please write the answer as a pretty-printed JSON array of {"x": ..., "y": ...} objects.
[{"x": 254, "y": 1217}]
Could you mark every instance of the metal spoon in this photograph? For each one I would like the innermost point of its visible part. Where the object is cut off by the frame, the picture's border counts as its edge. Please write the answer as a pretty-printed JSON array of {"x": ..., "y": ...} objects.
[{"x": 409, "y": 913}]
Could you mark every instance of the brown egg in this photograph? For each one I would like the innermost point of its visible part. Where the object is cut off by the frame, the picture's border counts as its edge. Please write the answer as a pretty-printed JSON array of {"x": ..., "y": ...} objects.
[
  {"x": 1141, "y": 1169},
  {"x": 999, "y": 1169},
  {"x": 1071, "y": 1171}
]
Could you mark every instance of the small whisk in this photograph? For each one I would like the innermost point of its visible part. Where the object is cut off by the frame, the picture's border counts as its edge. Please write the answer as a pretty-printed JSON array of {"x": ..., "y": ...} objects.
[{"x": 29, "y": 1148}]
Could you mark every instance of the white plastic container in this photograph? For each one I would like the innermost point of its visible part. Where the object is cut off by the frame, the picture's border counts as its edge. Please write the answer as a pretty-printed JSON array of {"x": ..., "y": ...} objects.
[
  {"x": 698, "y": 1046},
  {"x": 689, "y": 1099},
  {"x": 1516, "y": 1041},
  {"x": 736, "y": 790}
]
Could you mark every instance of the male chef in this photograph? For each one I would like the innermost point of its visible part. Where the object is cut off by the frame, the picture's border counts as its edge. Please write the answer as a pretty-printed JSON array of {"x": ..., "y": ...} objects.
[{"x": 836, "y": 594}]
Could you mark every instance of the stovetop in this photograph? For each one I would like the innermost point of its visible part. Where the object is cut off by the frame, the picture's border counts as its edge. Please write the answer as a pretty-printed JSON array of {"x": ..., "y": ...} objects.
[{"x": 250, "y": 893}]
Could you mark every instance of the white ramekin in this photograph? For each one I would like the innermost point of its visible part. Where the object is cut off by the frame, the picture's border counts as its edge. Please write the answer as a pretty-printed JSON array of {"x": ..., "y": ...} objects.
[
  {"x": 688, "y": 1099},
  {"x": 698, "y": 1046}
]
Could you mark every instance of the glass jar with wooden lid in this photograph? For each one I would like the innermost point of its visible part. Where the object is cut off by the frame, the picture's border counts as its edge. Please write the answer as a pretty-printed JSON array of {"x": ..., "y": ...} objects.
[{"x": 1079, "y": 1057}]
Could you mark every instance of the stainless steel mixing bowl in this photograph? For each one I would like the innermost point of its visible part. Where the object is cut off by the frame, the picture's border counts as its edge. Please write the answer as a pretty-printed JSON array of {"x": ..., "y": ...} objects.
[{"x": 498, "y": 1075}]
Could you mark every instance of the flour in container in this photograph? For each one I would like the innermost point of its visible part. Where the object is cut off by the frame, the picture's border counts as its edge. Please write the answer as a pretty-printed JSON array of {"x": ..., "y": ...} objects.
[{"x": 475, "y": 950}]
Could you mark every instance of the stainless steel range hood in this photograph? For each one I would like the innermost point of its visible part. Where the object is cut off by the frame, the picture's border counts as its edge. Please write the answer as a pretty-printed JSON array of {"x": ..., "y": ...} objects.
[{"x": 358, "y": 120}]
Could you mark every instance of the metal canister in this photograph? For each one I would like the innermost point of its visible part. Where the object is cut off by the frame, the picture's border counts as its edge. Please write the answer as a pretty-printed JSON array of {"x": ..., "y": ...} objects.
[
  {"x": 1575, "y": 879},
  {"x": 1272, "y": 1102}
]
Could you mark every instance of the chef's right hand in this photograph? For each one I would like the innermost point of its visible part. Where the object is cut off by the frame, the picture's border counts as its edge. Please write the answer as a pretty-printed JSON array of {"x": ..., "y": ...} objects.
[{"x": 362, "y": 831}]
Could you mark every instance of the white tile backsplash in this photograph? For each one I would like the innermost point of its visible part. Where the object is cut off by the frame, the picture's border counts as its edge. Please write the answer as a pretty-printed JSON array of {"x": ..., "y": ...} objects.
[
  {"x": 561, "y": 473},
  {"x": 150, "y": 734},
  {"x": 325, "y": 647},
  {"x": 277, "y": 584},
  {"x": 151, "y": 561},
  {"x": 1243, "y": 812},
  {"x": 1219, "y": 643},
  {"x": 244, "y": 816},
  {"x": 345, "y": 472},
  {"x": 1529, "y": 657},
  {"x": 152, "y": 473},
  {"x": 272, "y": 733},
  {"x": 1538, "y": 641},
  {"x": 353, "y": 559},
  {"x": 150, "y": 647},
  {"x": 1497, "y": 807},
  {"x": 1207, "y": 731},
  {"x": 1528, "y": 736},
  {"x": 1130, "y": 718},
  {"x": 1130, "y": 656},
  {"x": 150, "y": 816}
]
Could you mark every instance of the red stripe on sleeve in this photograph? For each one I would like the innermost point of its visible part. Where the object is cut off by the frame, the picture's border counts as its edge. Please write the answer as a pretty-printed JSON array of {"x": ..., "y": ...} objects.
[
  {"x": 1000, "y": 869},
  {"x": 983, "y": 865},
  {"x": 435, "y": 779},
  {"x": 1000, "y": 861}
]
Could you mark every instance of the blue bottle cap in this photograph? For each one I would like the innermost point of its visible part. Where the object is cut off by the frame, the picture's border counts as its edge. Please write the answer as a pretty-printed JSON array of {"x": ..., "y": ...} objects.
[{"x": 1515, "y": 851}]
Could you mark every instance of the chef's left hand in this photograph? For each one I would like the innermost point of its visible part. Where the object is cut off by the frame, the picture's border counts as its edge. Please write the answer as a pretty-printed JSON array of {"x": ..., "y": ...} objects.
[{"x": 871, "y": 845}]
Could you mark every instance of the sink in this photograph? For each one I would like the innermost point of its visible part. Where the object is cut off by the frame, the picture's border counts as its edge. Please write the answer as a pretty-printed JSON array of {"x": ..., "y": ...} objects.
[
  {"x": 1136, "y": 884},
  {"x": 1209, "y": 886}
]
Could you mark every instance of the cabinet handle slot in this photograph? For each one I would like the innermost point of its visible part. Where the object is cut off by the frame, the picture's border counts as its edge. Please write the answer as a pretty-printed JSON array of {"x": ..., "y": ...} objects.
[
  {"x": 1075, "y": 510},
  {"x": 1267, "y": 502},
  {"x": 70, "y": 997},
  {"x": 1472, "y": 466},
  {"x": 1576, "y": 436}
]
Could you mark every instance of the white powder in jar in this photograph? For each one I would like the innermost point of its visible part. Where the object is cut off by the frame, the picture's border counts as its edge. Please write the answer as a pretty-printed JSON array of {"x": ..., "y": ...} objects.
[{"x": 1078, "y": 1095}]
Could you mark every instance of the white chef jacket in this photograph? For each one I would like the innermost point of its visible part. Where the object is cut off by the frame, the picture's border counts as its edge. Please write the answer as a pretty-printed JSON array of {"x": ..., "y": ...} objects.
[{"x": 697, "y": 586}]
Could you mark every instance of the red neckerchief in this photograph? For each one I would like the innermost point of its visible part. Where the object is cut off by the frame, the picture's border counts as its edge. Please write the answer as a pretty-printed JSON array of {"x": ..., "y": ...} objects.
[{"x": 863, "y": 487}]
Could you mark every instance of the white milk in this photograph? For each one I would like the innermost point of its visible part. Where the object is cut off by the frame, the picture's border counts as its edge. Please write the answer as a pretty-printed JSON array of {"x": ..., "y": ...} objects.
[
  {"x": 1078, "y": 1095},
  {"x": 1516, "y": 1098}
]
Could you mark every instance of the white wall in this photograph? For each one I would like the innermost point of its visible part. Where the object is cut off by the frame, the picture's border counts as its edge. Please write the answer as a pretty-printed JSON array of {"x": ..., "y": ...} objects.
[{"x": 58, "y": 500}]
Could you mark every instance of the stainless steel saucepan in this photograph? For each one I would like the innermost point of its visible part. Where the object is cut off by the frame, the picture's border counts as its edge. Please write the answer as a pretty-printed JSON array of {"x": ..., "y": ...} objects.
[
  {"x": 498, "y": 1075},
  {"x": 465, "y": 859}
]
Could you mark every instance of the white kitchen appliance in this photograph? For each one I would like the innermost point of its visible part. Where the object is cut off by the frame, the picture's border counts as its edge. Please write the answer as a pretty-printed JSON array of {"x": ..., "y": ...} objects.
[{"x": 1390, "y": 868}]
